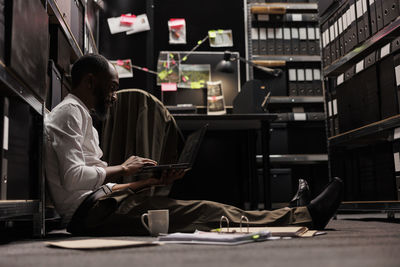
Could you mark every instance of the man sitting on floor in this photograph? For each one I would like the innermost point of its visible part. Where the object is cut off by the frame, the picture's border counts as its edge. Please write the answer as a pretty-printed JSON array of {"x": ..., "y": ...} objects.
[{"x": 78, "y": 179}]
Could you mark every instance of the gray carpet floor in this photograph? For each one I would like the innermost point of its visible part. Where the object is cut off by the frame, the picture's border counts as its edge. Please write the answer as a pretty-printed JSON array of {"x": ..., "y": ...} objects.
[{"x": 351, "y": 240}]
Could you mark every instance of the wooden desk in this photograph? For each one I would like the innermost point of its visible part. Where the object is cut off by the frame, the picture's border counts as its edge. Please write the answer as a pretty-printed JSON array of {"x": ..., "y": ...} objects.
[{"x": 225, "y": 169}]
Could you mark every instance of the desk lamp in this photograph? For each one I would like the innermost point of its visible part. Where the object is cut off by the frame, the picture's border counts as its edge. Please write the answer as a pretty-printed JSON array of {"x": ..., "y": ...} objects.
[{"x": 225, "y": 65}]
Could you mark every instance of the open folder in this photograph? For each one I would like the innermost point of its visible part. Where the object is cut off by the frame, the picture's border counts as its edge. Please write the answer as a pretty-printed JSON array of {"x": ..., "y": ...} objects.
[{"x": 284, "y": 231}]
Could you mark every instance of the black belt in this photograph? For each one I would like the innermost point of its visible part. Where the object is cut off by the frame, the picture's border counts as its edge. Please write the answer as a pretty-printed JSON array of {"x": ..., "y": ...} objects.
[{"x": 76, "y": 225}]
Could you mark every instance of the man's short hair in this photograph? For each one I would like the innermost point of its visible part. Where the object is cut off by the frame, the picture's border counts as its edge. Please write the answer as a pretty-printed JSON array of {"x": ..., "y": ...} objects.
[{"x": 89, "y": 63}]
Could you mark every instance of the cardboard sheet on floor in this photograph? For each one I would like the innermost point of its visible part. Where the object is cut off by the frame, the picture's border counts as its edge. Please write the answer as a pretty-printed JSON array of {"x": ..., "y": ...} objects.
[{"x": 97, "y": 243}]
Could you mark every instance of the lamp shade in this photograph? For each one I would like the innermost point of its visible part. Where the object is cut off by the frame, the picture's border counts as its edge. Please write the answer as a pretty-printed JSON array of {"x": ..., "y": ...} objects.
[{"x": 225, "y": 66}]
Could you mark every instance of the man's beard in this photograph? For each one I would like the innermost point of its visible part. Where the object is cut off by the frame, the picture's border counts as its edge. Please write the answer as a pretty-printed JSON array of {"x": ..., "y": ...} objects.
[{"x": 100, "y": 110}]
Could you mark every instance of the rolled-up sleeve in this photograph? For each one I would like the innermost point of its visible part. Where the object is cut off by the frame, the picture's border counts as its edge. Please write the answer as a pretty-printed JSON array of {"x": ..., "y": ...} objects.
[{"x": 67, "y": 136}]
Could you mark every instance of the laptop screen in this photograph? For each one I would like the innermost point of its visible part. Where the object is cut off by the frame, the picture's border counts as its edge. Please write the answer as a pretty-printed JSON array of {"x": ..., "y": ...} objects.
[{"x": 192, "y": 145}]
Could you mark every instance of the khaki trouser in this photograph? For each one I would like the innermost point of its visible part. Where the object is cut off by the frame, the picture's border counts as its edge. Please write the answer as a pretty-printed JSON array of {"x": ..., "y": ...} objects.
[{"x": 119, "y": 214}]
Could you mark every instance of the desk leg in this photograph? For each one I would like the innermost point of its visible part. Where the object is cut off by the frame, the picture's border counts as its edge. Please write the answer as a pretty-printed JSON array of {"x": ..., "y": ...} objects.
[
  {"x": 252, "y": 169},
  {"x": 265, "y": 136}
]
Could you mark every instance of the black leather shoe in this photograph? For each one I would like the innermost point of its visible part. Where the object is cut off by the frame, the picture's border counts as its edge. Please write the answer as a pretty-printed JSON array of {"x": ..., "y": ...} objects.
[
  {"x": 323, "y": 207},
  {"x": 302, "y": 196}
]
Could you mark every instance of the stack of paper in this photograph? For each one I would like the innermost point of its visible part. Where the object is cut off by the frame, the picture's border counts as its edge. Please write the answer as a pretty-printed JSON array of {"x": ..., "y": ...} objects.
[{"x": 214, "y": 238}]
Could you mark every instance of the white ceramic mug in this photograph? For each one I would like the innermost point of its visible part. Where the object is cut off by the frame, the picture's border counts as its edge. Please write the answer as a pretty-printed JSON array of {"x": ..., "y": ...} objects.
[{"x": 158, "y": 221}]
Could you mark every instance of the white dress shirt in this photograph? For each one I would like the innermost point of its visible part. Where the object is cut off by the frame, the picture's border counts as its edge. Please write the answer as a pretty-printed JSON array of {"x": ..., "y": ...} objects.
[{"x": 73, "y": 165}]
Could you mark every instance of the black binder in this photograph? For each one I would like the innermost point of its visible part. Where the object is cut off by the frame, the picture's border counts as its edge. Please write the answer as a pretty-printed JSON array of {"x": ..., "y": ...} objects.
[
  {"x": 4, "y": 137},
  {"x": 379, "y": 14},
  {"x": 387, "y": 86},
  {"x": 332, "y": 39},
  {"x": 398, "y": 187},
  {"x": 295, "y": 41},
  {"x": 344, "y": 98},
  {"x": 255, "y": 41},
  {"x": 29, "y": 44},
  {"x": 329, "y": 116},
  {"x": 276, "y": 18},
  {"x": 367, "y": 27},
  {"x": 317, "y": 41},
  {"x": 390, "y": 9},
  {"x": 278, "y": 41},
  {"x": 309, "y": 17},
  {"x": 337, "y": 40},
  {"x": 301, "y": 86},
  {"x": 303, "y": 40},
  {"x": 326, "y": 52},
  {"x": 349, "y": 31},
  {"x": 287, "y": 49},
  {"x": 346, "y": 30},
  {"x": 331, "y": 85},
  {"x": 366, "y": 86},
  {"x": 341, "y": 30},
  {"x": 335, "y": 113},
  {"x": 395, "y": 45},
  {"x": 292, "y": 82},
  {"x": 317, "y": 82},
  {"x": 309, "y": 85},
  {"x": 353, "y": 26},
  {"x": 360, "y": 21},
  {"x": 312, "y": 50},
  {"x": 349, "y": 73},
  {"x": 396, "y": 60},
  {"x": 372, "y": 13},
  {"x": 370, "y": 60},
  {"x": 59, "y": 48},
  {"x": 2, "y": 30},
  {"x": 271, "y": 41},
  {"x": 262, "y": 34},
  {"x": 78, "y": 22}
]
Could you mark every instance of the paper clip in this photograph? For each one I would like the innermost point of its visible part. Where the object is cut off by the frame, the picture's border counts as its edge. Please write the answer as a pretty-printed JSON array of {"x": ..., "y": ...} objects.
[
  {"x": 247, "y": 220},
  {"x": 227, "y": 223}
]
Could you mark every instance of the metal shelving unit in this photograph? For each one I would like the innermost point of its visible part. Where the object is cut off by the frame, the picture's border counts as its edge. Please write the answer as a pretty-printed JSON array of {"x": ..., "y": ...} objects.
[
  {"x": 13, "y": 85},
  {"x": 53, "y": 9},
  {"x": 287, "y": 58},
  {"x": 378, "y": 129},
  {"x": 389, "y": 207},
  {"x": 265, "y": 8},
  {"x": 358, "y": 53},
  {"x": 296, "y": 99},
  {"x": 377, "y": 134},
  {"x": 296, "y": 159},
  {"x": 254, "y": 9}
]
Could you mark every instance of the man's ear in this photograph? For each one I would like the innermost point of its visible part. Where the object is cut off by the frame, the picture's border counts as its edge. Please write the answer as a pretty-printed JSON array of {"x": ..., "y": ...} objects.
[{"x": 90, "y": 82}]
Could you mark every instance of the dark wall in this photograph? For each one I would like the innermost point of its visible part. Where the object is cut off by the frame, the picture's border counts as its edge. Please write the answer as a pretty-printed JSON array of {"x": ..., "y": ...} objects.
[
  {"x": 144, "y": 47},
  {"x": 120, "y": 45}
]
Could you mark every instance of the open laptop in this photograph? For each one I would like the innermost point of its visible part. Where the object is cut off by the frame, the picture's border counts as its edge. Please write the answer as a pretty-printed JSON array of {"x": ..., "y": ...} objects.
[{"x": 188, "y": 154}]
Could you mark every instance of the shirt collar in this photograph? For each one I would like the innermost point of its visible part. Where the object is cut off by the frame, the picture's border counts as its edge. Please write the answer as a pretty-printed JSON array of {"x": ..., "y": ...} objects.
[{"x": 77, "y": 99}]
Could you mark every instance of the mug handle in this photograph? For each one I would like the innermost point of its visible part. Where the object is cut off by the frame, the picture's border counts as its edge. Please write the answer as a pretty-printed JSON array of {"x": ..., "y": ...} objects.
[{"x": 144, "y": 224}]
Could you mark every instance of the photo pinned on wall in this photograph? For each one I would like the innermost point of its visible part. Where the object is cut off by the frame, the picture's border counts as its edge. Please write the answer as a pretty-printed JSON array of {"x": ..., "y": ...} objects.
[
  {"x": 177, "y": 31},
  {"x": 194, "y": 76},
  {"x": 123, "y": 67},
  {"x": 168, "y": 68},
  {"x": 141, "y": 24},
  {"x": 128, "y": 23},
  {"x": 215, "y": 98},
  {"x": 220, "y": 38}
]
